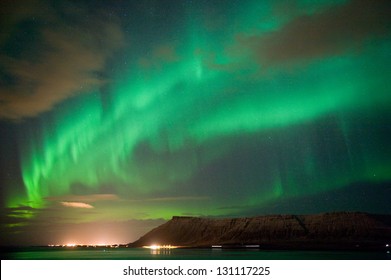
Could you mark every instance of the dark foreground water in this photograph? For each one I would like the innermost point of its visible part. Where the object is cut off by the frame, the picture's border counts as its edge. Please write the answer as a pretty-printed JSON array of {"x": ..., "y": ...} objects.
[{"x": 43, "y": 253}]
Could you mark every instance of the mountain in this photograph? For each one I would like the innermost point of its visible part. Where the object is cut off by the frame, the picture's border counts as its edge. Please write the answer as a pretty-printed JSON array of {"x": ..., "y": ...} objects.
[{"x": 343, "y": 230}]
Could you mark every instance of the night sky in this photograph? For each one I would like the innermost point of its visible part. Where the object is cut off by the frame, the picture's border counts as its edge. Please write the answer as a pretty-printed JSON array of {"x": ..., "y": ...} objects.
[{"x": 117, "y": 115}]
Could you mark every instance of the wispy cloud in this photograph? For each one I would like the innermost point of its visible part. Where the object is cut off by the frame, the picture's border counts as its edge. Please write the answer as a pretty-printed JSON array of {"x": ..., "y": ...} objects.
[
  {"x": 66, "y": 57},
  {"x": 79, "y": 200},
  {"x": 178, "y": 198},
  {"x": 329, "y": 32},
  {"x": 77, "y": 204},
  {"x": 161, "y": 54},
  {"x": 84, "y": 198}
]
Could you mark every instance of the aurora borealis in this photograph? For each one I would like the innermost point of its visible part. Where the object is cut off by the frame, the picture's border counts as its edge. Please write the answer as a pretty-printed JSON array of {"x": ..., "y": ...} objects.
[{"x": 116, "y": 115}]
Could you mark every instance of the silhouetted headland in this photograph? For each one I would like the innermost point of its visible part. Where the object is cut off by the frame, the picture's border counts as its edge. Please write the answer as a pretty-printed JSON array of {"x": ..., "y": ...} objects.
[{"x": 327, "y": 231}]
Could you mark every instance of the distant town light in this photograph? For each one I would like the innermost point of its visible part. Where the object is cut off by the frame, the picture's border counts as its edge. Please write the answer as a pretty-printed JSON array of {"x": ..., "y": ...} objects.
[{"x": 158, "y": 247}]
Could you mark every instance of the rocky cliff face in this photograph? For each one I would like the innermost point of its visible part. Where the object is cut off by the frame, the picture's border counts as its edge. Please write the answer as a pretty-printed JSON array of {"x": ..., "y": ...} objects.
[{"x": 328, "y": 228}]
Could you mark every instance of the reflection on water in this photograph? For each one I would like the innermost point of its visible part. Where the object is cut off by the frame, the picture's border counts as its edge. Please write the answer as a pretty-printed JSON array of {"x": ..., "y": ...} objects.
[
  {"x": 45, "y": 253},
  {"x": 161, "y": 251}
]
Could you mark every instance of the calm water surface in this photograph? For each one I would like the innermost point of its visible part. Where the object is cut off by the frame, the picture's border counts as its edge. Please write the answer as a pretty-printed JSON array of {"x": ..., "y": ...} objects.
[{"x": 43, "y": 253}]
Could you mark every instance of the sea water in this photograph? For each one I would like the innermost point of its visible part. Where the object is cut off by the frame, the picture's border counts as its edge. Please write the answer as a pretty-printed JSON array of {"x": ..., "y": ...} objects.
[{"x": 107, "y": 253}]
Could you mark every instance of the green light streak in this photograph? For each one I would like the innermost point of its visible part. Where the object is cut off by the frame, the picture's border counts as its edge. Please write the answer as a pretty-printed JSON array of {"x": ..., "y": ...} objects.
[{"x": 147, "y": 140}]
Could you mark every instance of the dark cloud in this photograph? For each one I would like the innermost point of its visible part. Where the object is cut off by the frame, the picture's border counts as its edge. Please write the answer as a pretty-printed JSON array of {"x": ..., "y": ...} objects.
[
  {"x": 13, "y": 12},
  {"x": 330, "y": 32},
  {"x": 16, "y": 215},
  {"x": 159, "y": 55},
  {"x": 84, "y": 198},
  {"x": 176, "y": 198},
  {"x": 62, "y": 56}
]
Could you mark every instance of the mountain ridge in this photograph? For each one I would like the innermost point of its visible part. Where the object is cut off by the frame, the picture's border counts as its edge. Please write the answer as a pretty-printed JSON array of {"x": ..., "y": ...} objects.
[{"x": 325, "y": 230}]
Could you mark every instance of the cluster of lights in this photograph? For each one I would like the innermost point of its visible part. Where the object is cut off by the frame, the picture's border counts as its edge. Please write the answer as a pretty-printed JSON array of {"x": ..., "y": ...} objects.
[
  {"x": 158, "y": 247},
  {"x": 84, "y": 245},
  {"x": 63, "y": 245}
]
